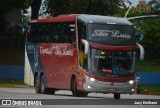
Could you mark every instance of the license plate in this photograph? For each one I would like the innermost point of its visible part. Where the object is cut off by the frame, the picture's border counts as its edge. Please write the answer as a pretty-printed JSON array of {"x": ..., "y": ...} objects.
[{"x": 111, "y": 89}]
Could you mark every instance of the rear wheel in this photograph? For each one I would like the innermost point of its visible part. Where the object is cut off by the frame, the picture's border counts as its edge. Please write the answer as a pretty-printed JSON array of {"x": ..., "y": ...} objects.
[
  {"x": 116, "y": 96},
  {"x": 44, "y": 89},
  {"x": 37, "y": 84}
]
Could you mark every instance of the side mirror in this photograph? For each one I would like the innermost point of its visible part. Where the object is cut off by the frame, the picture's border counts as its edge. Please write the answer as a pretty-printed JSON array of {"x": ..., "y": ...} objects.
[
  {"x": 139, "y": 36},
  {"x": 86, "y": 45},
  {"x": 141, "y": 51}
]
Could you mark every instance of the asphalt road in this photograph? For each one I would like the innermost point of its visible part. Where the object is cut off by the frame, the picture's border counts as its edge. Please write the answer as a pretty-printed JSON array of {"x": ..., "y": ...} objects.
[{"x": 64, "y": 99}]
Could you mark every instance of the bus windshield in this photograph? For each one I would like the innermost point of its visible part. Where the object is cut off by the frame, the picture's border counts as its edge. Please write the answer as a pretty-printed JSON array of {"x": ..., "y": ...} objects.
[
  {"x": 111, "y": 62},
  {"x": 111, "y": 34}
]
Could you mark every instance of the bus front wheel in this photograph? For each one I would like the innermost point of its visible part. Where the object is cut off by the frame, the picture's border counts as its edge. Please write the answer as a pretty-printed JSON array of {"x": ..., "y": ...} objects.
[
  {"x": 75, "y": 92},
  {"x": 116, "y": 96}
]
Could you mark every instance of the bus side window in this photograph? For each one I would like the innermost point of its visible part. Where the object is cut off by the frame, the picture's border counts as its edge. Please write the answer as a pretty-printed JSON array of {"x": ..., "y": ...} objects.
[{"x": 51, "y": 33}]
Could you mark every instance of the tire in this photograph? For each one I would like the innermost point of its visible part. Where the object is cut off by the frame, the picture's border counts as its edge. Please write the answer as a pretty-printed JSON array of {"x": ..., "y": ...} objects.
[
  {"x": 75, "y": 92},
  {"x": 84, "y": 94},
  {"x": 74, "y": 88},
  {"x": 44, "y": 89},
  {"x": 116, "y": 96},
  {"x": 37, "y": 84}
]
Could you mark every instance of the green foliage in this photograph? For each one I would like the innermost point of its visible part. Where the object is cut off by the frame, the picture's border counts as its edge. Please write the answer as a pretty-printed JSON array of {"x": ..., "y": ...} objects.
[
  {"x": 11, "y": 37},
  {"x": 152, "y": 40},
  {"x": 148, "y": 65},
  {"x": 150, "y": 26},
  {"x": 7, "y": 5},
  {"x": 155, "y": 6},
  {"x": 100, "y": 7}
]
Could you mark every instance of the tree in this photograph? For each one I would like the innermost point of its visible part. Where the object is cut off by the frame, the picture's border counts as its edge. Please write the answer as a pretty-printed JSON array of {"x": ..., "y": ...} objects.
[
  {"x": 101, "y": 7},
  {"x": 155, "y": 6},
  {"x": 7, "y": 37},
  {"x": 150, "y": 26},
  {"x": 7, "y": 5},
  {"x": 35, "y": 6}
]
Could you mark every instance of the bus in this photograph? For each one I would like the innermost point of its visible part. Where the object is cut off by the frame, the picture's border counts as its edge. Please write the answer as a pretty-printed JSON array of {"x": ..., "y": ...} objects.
[{"x": 81, "y": 53}]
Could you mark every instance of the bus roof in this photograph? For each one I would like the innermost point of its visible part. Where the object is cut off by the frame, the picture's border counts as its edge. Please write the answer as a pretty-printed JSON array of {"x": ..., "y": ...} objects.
[
  {"x": 103, "y": 19},
  {"x": 60, "y": 18},
  {"x": 85, "y": 18}
]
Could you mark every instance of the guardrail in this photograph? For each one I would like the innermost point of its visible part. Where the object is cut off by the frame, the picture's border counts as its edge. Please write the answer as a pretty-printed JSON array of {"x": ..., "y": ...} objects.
[{"x": 149, "y": 78}]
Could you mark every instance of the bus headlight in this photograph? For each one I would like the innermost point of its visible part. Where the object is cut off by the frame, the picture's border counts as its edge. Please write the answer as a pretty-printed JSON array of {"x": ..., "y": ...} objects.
[
  {"x": 131, "y": 82},
  {"x": 89, "y": 87},
  {"x": 92, "y": 79}
]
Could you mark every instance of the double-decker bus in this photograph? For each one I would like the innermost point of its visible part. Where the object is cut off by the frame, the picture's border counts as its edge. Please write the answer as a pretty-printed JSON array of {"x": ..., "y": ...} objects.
[{"x": 81, "y": 53}]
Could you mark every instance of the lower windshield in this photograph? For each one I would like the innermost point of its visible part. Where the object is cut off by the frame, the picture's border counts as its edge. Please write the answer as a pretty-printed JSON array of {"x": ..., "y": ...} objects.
[{"x": 111, "y": 62}]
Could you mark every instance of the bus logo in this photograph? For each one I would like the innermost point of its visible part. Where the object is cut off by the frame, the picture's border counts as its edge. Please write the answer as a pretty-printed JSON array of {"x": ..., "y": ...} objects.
[
  {"x": 113, "y": 33},
  {"x": 56, "y": 50}
]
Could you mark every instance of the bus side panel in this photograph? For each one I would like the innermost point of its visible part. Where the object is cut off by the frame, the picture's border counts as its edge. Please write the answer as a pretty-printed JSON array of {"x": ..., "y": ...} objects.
[
  {"x": 68, "y": 67},
  {"x": 28, "y": 73},
  {"x": 59, "y": 62},
  {"x": 81, "y": 79},
  {"x": 32, "y": 63}
]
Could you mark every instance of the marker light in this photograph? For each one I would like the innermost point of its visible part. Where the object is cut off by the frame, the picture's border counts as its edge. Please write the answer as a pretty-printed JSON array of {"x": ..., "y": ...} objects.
[
  {"x": 131, "y": 82},
  {"x": 92, "y": 79},
  {"x": 102, "y": 53}
]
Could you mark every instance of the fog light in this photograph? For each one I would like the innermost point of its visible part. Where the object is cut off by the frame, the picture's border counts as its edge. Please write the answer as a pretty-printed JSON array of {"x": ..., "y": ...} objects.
[
  {"x": 92, "y": 79},
  {"x": 89, "y": 87},
  {"x": 131, "y": 82}
]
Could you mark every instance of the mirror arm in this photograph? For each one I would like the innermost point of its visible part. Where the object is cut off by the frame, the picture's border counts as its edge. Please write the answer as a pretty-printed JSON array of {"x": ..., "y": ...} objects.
[
  {"x": 141, "y": 51},
  {"x": 86, "y": 44}
]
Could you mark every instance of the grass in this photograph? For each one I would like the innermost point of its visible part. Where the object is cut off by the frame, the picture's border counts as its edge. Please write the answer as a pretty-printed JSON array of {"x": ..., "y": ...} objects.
[
  {"x": 9, "y": 81},
  {"x": 150, "y": 88},
  {"x": 148, "y": 65}
]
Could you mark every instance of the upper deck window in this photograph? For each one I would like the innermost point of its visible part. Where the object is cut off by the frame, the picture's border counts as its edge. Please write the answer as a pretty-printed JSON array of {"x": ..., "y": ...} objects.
[{"x": 51, "y": 32}]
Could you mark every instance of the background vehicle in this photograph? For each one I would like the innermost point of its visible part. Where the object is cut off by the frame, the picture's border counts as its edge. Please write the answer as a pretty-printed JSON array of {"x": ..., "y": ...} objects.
[{"x": 81, "y": 53}]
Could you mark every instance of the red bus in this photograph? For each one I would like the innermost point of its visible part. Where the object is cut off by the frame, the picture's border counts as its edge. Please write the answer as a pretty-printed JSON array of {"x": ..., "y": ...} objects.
[{"x": 81, "y": 53}]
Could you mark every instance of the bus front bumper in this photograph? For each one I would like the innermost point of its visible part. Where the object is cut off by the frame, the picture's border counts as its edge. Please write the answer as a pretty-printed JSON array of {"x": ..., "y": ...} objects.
[{"x": 93, "y": 85}]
